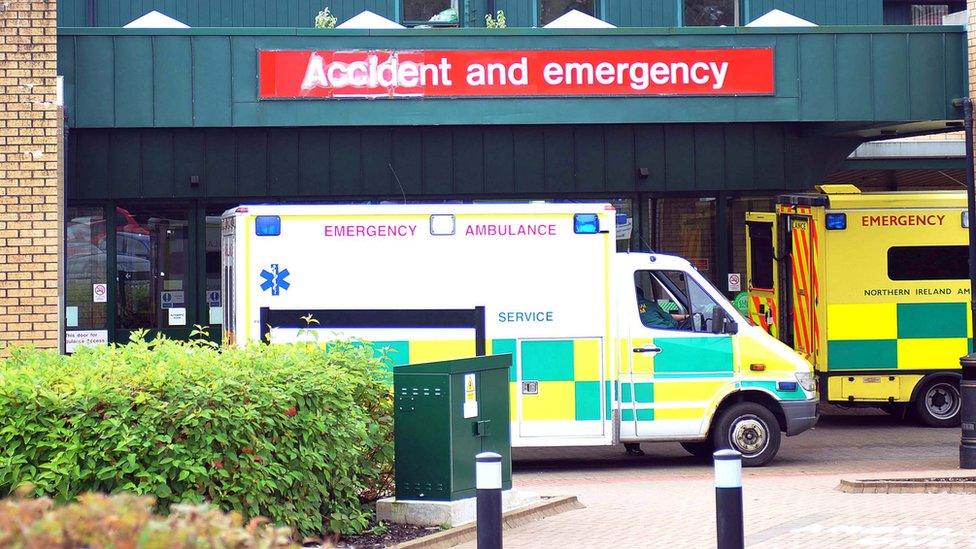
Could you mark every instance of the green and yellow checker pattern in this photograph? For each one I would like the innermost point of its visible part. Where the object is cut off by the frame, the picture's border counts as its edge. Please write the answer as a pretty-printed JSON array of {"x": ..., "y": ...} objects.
[
  {"x": 568, "y": 372},
  {"x": 890, "y": 336},
  {"x": 677, "y": 384}
]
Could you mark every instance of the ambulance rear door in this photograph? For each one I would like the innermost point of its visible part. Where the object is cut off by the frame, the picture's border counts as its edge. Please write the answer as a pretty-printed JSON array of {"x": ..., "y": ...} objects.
[
  {"x": 804, "y": 281},
  {"x": 761, "y": 271}
]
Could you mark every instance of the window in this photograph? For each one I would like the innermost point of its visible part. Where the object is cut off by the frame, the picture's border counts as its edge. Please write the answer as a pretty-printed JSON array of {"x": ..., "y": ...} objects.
[
  {"x": 85, "y": 262},
  {"x": 710, "y": 13},
  {"x": 761, "y": 255},
  {"x": 673, "y": 300},
  {"x": 929, "y": 14},
  {"x": 550, "y": 10},
  {"x": 430, "y": 12},
  {"x": 685, "y": 227},
  {"x": 928, "y": 263}
]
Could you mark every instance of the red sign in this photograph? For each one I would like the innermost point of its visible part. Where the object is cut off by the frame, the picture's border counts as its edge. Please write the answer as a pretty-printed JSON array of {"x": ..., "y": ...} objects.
[{"x": 494, "y": 73}]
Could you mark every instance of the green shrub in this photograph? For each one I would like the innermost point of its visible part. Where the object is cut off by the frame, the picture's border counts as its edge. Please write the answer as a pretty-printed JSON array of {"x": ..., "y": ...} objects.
[
  {"x": 297, "y": 433},
  {"x": 96, "y": 520}
]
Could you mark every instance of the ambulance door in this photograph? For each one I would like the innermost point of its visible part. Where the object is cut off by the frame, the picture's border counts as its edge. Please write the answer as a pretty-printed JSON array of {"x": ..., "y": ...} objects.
[
  {"x": 671, "y": 374},
  {"x": 761, "y": 270},
  {"x": 804, "y": 284}
]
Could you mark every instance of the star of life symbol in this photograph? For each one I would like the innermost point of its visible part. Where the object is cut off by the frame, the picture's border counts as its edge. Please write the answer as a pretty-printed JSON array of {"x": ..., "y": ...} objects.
[{"x": 274, "y": 279}]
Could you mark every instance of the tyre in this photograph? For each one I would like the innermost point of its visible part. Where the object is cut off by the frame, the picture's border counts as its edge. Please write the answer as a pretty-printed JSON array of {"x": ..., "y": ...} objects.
[
  {"x": 701, "y": 450},
  {"x": 937, "y": 404},
  {"x": 750, "y": 429}
]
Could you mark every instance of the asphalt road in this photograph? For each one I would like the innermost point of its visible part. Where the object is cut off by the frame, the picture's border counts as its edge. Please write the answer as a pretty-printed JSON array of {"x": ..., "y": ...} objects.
[{"x": 843, "y": 441}]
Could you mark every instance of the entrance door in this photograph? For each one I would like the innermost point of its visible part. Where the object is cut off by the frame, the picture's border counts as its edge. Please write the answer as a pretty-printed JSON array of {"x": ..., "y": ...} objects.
[
  {"x": 761, "y": 270},
  {"x": 154, "y": 270},
  {"x": 676, "y": 365}
]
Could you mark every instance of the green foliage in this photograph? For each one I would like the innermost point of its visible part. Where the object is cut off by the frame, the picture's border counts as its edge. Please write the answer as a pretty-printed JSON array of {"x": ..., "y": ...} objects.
[
  {"x": 497, "y": 22},
  {"x": 325, "y": 20},
  {"x": 299, "y": 433},
  {"x": 96, "y": 520}
]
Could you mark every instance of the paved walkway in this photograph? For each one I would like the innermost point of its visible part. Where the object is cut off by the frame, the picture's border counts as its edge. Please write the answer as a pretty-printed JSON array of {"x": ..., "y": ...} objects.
[{"x": 665, "y": 499}]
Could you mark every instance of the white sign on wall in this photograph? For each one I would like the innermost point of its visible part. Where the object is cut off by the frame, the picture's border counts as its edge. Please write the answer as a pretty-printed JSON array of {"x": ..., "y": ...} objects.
[
  {"x": 79, "y": 338},
  {"x": 735, "y": 282}
]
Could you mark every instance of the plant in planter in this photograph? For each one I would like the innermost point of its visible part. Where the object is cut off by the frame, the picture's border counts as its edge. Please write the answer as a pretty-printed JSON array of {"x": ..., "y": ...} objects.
[
  {"x": 497, "y": 22},
  {"x": 325, "y": 20}
]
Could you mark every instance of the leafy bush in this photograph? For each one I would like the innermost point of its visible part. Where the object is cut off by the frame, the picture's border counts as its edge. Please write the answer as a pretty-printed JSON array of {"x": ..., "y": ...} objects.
[
  {"x": 325, "y": 20},
  {"x": 97, "y": 520},
  {"x": 298, "y": 433}
]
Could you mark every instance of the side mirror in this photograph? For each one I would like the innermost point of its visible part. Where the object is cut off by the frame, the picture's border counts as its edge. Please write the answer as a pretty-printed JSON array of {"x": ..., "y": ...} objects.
[{"x": 721, "y": 323}]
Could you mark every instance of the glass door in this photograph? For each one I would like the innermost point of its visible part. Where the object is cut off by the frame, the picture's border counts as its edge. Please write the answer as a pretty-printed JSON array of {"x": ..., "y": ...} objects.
[{"x": 154, "y": 264}]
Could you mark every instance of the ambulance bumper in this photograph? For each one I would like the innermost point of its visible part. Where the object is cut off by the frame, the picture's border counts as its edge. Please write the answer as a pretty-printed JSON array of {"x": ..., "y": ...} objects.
[{"x": 800, "y": 415}]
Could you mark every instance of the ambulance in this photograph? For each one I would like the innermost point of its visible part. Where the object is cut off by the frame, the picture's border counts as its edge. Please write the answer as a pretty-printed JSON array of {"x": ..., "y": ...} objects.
[
  {"x": 558, "y": 298},
  {"x": 873, "y": 289}
]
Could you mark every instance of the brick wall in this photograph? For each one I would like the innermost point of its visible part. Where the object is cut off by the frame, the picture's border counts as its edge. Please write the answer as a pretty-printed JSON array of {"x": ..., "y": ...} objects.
[{"x": 29, "y": 174}]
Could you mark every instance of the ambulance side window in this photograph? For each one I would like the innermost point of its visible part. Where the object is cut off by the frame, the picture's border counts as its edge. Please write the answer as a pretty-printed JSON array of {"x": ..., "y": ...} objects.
[
  {"x": 761, "y": 254},
  {"x": 928, "y": 263}
]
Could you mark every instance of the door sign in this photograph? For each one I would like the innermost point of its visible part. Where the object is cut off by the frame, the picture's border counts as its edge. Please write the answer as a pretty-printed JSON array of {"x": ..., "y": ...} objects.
[
  {"x": 99, "y": 293},
  {"x": 169, "y": 300},
  {"x": 213, "y": 298}
]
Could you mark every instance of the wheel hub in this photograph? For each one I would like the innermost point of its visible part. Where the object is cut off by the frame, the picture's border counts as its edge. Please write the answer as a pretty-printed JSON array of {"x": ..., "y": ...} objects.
[
  {"x": 748, "y": 435},
  {"x": 942, "y": 401}
]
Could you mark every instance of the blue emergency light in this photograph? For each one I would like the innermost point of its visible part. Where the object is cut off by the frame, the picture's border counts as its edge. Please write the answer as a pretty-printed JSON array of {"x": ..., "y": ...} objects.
[
  {"x": 836, "y": 221},
  {"x": 786, "y": 386},
  {"x": 267, "y": 225},
  {"x": 586, "y": 223}
]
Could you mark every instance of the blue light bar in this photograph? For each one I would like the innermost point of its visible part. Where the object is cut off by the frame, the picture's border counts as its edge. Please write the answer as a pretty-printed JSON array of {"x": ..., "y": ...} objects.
[
  {"x": 267, "y": 225},
  {"x": 586, "y": 224},
  {"x": 836, "y": 221}
]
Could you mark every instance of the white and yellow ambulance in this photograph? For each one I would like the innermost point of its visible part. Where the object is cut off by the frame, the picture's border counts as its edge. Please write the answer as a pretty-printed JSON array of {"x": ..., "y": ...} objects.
[
  {"x": 873, "y": 289},
  {"x": 558, "y": 298}
]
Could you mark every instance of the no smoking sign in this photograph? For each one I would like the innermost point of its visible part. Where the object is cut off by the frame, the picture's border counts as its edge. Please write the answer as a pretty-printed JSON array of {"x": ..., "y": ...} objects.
[
  {"x": 99, "y": 293},
  {"x": 735, "y": 282}
]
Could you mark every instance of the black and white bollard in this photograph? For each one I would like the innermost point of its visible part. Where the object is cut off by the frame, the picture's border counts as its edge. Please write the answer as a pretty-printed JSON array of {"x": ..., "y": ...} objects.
[
  {"x": 488, "y": 481},
  {"x": 728, "y": 499}
]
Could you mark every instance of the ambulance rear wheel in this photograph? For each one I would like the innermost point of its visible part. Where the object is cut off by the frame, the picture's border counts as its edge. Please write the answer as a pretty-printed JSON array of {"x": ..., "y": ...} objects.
[
  {"x": 938, "y": 403},
  {"x": 750, "y": 429}
]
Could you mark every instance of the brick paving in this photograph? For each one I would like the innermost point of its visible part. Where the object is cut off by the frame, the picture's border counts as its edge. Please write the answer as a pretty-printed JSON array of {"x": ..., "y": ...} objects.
[{"x": 665, "y": 499}]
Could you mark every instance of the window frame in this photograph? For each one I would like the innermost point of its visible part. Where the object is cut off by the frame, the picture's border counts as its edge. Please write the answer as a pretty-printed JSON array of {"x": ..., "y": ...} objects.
[
  {"x": 456, "y": 4},
  {"x": 537, "y": 7},
  {"x": 736, "y": 16}
]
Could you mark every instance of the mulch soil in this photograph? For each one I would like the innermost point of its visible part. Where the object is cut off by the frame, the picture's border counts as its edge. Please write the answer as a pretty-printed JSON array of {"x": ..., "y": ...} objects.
[{"x": 392, "y": 535}]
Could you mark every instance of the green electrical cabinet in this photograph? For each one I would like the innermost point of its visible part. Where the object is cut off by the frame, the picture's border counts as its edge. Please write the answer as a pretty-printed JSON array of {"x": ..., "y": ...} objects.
[{"x": 446, "y": 413}]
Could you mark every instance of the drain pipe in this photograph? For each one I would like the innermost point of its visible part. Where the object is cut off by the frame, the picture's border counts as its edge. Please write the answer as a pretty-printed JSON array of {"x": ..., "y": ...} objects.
[{"x": 967, "y": 387}]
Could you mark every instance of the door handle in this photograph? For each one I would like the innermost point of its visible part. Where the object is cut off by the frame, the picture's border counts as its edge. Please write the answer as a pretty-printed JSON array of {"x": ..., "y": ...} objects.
[{"x": 647, "y": 349}]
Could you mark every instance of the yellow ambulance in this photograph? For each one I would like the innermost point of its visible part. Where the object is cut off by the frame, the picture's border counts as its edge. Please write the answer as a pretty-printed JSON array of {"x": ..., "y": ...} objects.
[{"x": 873, "y": 289}]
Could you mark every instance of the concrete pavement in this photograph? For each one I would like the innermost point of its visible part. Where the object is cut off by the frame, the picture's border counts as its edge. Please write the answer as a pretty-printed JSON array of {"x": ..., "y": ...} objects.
[{"x": 666, "y": 498}]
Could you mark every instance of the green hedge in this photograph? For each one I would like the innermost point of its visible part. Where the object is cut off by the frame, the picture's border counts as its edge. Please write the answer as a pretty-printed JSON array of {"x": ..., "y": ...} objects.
[{"x": 297, "y": 433}]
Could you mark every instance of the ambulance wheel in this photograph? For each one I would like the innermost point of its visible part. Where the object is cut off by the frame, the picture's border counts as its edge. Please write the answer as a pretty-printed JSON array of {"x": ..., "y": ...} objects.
[
  {"x": 701, "y": 450},
  {"x": 750, "y": 429},
  {"x": 938, "y": 402}
]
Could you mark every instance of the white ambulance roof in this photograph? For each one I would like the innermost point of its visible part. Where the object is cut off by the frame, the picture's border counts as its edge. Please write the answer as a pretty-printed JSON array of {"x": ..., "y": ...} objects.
[{"x": 415, "y": 209}]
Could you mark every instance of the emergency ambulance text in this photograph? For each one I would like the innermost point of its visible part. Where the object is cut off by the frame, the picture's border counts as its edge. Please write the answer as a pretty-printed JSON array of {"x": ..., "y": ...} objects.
[
  {"x": 901, "y": 220},
  {"x": 370, "y": 231},
  {"x": 529, "y": 229}
]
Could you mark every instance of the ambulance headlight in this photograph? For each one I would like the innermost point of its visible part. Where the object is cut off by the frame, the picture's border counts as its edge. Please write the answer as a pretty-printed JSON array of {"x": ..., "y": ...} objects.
[
  {"x": 267, "y": 225},
  {"x": 836, "y": 221},
  {"x": 805, "y": 379},
  {"x": 586, "y": 224}
]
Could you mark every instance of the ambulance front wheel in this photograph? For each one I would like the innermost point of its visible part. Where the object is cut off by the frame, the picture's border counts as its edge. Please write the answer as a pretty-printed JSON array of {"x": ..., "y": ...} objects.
[
  {"x": 937, "y": 404},
  {"x": 750, "y": 429}
]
